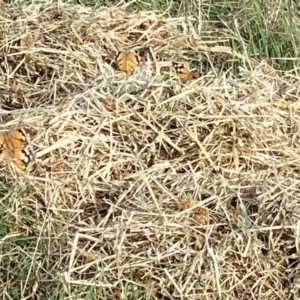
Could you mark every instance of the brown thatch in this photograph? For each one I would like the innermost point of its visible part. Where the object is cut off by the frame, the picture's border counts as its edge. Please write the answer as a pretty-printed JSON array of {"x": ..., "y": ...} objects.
[{"x": 177, "y": 190}]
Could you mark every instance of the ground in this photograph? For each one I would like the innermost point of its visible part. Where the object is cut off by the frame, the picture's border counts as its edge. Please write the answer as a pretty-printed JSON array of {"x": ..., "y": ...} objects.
[{"x": 144, "y": 185}]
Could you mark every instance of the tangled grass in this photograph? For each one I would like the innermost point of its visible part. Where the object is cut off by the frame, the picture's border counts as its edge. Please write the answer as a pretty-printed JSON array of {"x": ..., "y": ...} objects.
[{"x": 144, "y": 187}]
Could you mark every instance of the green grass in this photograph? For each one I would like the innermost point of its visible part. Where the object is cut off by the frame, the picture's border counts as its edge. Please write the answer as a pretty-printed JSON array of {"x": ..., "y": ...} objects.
[{"x": 264, "y": 29}]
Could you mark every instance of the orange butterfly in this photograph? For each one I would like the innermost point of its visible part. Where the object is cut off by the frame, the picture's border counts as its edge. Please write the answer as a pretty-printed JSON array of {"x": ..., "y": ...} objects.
[
  {"x": 185, "y": 74},
  {"x": 127, "y": 62},
  {"x": 13, "y": 148}
]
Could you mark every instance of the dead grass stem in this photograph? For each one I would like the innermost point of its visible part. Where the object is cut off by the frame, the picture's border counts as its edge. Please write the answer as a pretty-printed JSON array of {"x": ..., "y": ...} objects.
[{"x": 179, "y": 191}]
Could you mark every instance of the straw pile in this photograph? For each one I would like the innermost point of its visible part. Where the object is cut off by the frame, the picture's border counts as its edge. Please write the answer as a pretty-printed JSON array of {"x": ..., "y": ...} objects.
[{"x": 144, "y": 184}]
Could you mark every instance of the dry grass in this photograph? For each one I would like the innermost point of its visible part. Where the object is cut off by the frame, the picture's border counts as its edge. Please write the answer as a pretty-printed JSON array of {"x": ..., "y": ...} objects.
[{"x": 144, "y": 187}]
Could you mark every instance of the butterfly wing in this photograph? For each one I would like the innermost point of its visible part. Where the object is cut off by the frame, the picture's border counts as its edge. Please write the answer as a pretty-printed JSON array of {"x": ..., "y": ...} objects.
[
  {"x": 126, "y": 62},
  {"x": 13, "y": 147},
  {"x": 121, "y": 61},
  {"x": 5, "y": 146},
  {"x": 185, "y": 74},
  {"x": 132, "y": 62}
]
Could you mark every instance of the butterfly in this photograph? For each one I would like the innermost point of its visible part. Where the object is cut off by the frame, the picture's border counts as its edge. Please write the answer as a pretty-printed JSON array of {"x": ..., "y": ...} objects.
[
  {"x": 185, "y": 74},
  {"x": 127, "y": 62},
  {"x": 13, "y": 146}
]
